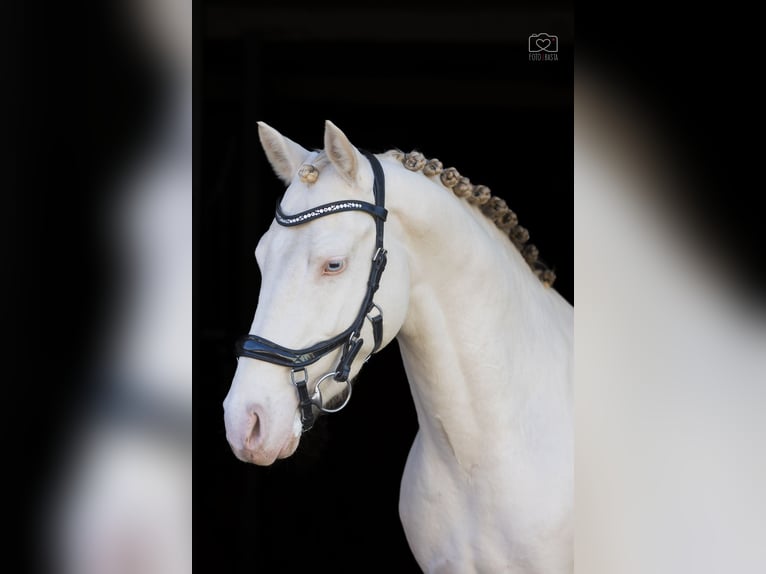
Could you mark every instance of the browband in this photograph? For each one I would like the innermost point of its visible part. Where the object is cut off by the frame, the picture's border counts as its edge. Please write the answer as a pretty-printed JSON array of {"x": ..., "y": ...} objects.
[{"x": 328, "y": 209}]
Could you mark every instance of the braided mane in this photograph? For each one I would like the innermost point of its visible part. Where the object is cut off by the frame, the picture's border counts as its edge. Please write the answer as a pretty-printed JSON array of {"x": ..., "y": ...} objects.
[{"x": 493, "y": 207}]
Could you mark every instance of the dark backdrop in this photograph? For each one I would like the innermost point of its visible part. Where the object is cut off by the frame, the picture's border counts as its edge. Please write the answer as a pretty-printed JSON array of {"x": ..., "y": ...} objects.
[{"x": 457, "y": 85}]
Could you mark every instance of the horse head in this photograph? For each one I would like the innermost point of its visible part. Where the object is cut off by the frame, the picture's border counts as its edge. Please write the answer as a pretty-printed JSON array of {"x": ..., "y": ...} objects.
[{"x": 320, "y": 310}]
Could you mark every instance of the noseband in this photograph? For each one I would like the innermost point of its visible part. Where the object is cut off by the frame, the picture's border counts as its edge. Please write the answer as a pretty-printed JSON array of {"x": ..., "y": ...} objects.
[{"x": 350, "y": 340}]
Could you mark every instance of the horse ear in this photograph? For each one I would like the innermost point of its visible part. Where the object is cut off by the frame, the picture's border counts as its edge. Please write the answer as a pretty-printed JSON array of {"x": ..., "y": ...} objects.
[
  {"x": 284, "y": 155},
  {"x": 343, "y": 155}
]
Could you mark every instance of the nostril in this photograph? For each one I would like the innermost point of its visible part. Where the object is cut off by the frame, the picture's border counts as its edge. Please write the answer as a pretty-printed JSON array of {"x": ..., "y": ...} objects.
[{"x": 255, "y": 431}]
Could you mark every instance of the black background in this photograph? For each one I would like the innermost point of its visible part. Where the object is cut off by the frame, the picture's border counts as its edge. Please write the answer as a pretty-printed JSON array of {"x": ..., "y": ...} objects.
[
  {"x": 76, "y": 93},
  {"x": 457, "y": 85}
]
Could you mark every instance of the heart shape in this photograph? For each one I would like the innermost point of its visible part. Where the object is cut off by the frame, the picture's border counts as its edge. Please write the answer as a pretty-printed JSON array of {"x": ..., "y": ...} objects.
[{"x": 543, "y": 43}]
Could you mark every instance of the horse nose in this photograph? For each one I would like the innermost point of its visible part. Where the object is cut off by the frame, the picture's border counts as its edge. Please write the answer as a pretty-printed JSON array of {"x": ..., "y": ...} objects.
[
  {"x": 253, "y": 437},
  {"x": 244, "y": 429}
]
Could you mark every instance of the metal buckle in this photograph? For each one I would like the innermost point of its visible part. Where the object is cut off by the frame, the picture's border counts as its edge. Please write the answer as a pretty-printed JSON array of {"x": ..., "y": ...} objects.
[
  {"x": 305, "y": 403},
  {"x": 377, "y": 307},
  {"x": 305, "y": 379},
  {"x": 370, "y": 318}
]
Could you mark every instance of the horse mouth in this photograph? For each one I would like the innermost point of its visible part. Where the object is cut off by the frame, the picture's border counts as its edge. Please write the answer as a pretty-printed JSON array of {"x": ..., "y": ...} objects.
[
  {"x": 267, "y": 457},
  {"x": 290, "y": 447}
]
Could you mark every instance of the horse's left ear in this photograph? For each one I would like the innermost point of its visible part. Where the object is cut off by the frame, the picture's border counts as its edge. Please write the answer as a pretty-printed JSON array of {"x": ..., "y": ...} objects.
[{"x": 341, "y": 152}]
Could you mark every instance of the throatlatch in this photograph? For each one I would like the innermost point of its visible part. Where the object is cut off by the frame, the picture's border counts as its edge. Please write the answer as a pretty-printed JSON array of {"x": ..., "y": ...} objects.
[{"x": 349, "y": 340}]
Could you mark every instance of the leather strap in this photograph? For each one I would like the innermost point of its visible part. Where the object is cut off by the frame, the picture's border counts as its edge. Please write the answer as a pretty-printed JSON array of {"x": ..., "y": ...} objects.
[
  {"x": 379, "y": 191},
  {"x": 262, "y": 349},
  {"x": 304, "y": 399},
  {"x": 328, "y": 209},
  {"x": 377, "y": 331}
]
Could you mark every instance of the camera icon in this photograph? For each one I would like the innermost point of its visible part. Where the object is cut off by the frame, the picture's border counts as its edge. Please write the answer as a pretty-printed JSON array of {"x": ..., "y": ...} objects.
[{"x": 543, "y": 42}]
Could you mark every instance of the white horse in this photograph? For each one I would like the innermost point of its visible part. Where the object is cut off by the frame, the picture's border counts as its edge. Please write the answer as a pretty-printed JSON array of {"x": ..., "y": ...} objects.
[{"x": 486, "y": 344}]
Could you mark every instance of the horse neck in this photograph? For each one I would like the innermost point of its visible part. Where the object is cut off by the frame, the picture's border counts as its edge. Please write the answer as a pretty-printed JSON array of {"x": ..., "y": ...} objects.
[{"x": 485, "y": 345}]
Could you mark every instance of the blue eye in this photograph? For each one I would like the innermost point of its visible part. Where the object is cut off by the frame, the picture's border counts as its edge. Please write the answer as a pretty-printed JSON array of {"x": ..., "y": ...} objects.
[{"x": 334, "y": 266}]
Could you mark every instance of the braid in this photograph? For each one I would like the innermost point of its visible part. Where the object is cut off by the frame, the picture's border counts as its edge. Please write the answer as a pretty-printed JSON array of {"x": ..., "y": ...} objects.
[{"x": 493, "y": 207}]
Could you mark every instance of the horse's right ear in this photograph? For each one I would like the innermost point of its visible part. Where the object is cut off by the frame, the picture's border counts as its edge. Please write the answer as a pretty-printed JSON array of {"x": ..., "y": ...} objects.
[{"x": 284, "y": 155}]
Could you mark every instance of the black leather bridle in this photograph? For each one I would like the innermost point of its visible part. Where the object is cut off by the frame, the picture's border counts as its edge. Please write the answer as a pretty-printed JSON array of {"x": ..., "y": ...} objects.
[{"x": 350, "y": 340}]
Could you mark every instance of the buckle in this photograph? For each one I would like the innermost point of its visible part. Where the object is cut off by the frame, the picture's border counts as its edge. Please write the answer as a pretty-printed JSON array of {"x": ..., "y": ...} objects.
[{"x": 305, "y": 376}]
